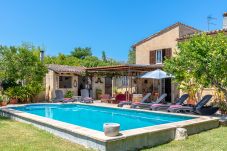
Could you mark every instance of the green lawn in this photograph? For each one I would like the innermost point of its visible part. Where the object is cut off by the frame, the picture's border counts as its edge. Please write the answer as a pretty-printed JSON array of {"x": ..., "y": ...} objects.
[{"x": 16, "y": 136}]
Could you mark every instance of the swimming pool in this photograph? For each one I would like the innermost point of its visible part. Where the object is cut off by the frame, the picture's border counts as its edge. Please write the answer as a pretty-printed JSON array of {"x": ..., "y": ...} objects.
[
  {"x": 94, "y": 117},
  {"x": 83, "y": 124}
]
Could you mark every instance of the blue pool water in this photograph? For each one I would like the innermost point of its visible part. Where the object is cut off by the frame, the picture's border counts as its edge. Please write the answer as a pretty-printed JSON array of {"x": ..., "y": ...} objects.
[{"x": 94, "y": 117}]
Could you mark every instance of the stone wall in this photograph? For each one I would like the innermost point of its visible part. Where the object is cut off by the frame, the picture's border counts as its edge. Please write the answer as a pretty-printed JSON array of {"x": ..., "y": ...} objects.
[
  {"x": 98, "y": 85},
  {"x": 165, "y": 40},
  {"x": 52, "y": 84}
]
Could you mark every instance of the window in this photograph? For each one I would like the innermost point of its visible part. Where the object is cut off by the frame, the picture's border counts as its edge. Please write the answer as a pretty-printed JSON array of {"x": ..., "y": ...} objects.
[
  {"x": 159, "y": 56},
  {"x": 65, "y": 82}
]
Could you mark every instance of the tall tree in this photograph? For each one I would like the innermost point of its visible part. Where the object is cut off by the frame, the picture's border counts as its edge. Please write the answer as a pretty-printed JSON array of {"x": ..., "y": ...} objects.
[
  {"x": 81, "y": 53},
  {"x": 104, "y": 56},
  {"x": 22, "y": 66},
  {"x": 203, "y": 59},
  {"x": 132, "y": 56}
]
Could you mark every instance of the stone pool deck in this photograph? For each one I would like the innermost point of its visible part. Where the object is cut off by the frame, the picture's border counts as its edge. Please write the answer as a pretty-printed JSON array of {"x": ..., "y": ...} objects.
[{"x": 133, "y": 139}]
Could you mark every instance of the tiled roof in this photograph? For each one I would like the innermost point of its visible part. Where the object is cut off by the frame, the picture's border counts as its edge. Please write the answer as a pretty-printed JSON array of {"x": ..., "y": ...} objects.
[
  {"x": 65, "y": 68},
  {"x": 208, "y": 33},
  {"x": 163, "y": 31}
]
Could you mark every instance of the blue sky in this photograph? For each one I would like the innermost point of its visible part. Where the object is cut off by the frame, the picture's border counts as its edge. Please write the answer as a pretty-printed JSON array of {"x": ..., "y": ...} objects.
[{"x": 109, "y": 25}]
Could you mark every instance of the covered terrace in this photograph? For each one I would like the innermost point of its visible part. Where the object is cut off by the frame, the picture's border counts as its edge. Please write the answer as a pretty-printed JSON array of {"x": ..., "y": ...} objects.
[{"x": 124, "y": 77}]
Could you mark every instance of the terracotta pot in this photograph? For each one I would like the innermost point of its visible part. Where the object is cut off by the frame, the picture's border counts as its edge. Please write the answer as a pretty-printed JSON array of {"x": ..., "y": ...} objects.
[
  {"x": 191, "y": 101},
  {"x": 13, "y": 101},
  {"x": 223, "y": 112},
  {"x": 99, "y": 96},
  {"x": 3, "y": 103}
]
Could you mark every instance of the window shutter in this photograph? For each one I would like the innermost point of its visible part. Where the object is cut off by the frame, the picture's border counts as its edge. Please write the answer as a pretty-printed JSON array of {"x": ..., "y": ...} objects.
[
  {"x": 163, "y": 54},
  {"x": 153, "y": 57},
  {"x": 168, "y": 53}
]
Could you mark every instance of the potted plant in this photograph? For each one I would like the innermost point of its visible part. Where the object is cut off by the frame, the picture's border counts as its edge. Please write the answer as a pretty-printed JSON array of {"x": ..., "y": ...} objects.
[
  {"x": 68, "y": 94},
  {"x": 3, "y": 101},
  {"x": 12, "y": 94},
  {"x": 222, "y": 105},
  {"x": 98, "y": 94},
  {"x": 191, "y": 89}
]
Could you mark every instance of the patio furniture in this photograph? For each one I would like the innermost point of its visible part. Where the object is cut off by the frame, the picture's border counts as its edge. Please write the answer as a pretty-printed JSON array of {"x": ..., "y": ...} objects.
[
  {"x": 122, "y": 103},
  {"x": 85, "y": 98},
  {"x": 106, "y": 98},
  {"x": 60, "y": 97},
  {"x": 199, "y": 108},
  {"x": 157, "y": 74},
  {"x": 145, "y": 104},
  {"x": 77, "y": 98},
  {"x": 160, "y": 106}
]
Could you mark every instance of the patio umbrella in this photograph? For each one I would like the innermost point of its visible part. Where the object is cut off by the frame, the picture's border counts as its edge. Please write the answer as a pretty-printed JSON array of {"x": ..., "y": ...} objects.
[{"x": 156, "y": 74}]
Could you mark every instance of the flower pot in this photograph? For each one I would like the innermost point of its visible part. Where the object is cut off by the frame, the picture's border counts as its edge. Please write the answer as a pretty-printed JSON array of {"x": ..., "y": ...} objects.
[
  {"x": 191, "y": 102},
  {"x": 223, "y": 112},
  {"x": 13, "y": 101},
  {"x": 111, "y": 129},
  {"x": 3, "y": 103}
]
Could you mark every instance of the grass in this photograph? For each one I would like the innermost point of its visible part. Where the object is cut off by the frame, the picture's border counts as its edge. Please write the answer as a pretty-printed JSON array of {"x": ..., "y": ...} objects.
[
  {"x": 16, "y": 136},
  {"x": 212, "y": 140}
]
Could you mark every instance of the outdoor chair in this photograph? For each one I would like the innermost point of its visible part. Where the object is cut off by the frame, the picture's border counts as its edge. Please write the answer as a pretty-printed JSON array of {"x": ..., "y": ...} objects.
[
  {"x": 85, "y": 98},
  {"x": 160, "y": 106},
  {"x": 122, "y": 103},
  {"x": 144, "y": 104},
  {"x": 60, "y": 97},
  {"x": 199, "y": 108},
  {"x": 106, "y": 98}
]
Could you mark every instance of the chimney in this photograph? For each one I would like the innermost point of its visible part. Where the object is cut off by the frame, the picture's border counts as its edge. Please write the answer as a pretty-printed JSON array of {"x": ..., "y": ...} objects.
[
  {"x": 225, "y": 20},
  {"x": 41, "y": 55}
]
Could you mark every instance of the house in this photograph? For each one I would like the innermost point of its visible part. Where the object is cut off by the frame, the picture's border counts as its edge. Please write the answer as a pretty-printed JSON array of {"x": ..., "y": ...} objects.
[
  {"x": 154, "y": 49},
  {"x": 104, "y": 79},
  {"x": 65, "y": 78},
  {"x": 150, "y": 55}
]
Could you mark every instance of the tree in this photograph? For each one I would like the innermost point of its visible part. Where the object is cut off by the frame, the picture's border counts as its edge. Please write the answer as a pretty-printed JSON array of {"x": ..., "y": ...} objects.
[
  {"x": 63, "y": 60},
  {"x": 22, "y": 66},
  {"x": 132, "y": 56},
  {"x": 203, "y": 60},
  {"x": 104, "y": 56},
  {"x": 81, "y": 53},
  {"x": 80, "y": 57}
]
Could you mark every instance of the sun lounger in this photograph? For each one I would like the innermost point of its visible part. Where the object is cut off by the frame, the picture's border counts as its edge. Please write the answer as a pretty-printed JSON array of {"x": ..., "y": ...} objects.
[
  {"x": 85, "y": 96},
  {"x": 60, "y": 97},
  {"x": 144, "y": 104},
  {"x": 161, "y": 106},
  {"x": 122, "y": 103},
  {"x": 199, "y": 108}
]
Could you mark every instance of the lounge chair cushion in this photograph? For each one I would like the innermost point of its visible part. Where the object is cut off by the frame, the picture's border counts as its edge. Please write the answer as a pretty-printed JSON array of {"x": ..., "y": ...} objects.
[
  {"x": 156, "y": 105},
  {"x": 175, "y": 106}
]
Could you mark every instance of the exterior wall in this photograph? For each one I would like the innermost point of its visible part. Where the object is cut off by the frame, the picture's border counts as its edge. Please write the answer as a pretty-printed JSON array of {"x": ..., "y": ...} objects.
[
  {"x": 163, "y": 41},
  {"x": 166, "y": 40},
  {"x": 96, "y": 86},
  {"x": 122, "y": 88},
  {"x": 52, "y": 84}
]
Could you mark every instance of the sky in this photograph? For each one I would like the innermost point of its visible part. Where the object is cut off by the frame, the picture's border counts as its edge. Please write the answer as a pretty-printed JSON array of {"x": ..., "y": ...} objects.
[{"x": 112, "y": 26}]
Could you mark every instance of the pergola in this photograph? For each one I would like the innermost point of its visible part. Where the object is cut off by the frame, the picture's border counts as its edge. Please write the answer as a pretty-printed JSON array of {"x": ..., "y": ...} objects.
[
  {"x": 123, "y": 69},
  {"x": 128, "y": 70}
]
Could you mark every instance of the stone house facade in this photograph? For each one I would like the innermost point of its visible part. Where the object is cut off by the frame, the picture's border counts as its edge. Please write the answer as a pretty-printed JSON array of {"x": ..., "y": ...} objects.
[{"x": 159, "y": 46}]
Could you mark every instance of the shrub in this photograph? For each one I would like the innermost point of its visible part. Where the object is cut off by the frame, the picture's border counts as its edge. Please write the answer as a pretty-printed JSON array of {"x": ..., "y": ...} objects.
[
  {"x": 68, "y": 94},
  {"x": 222, "y": 106}
]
